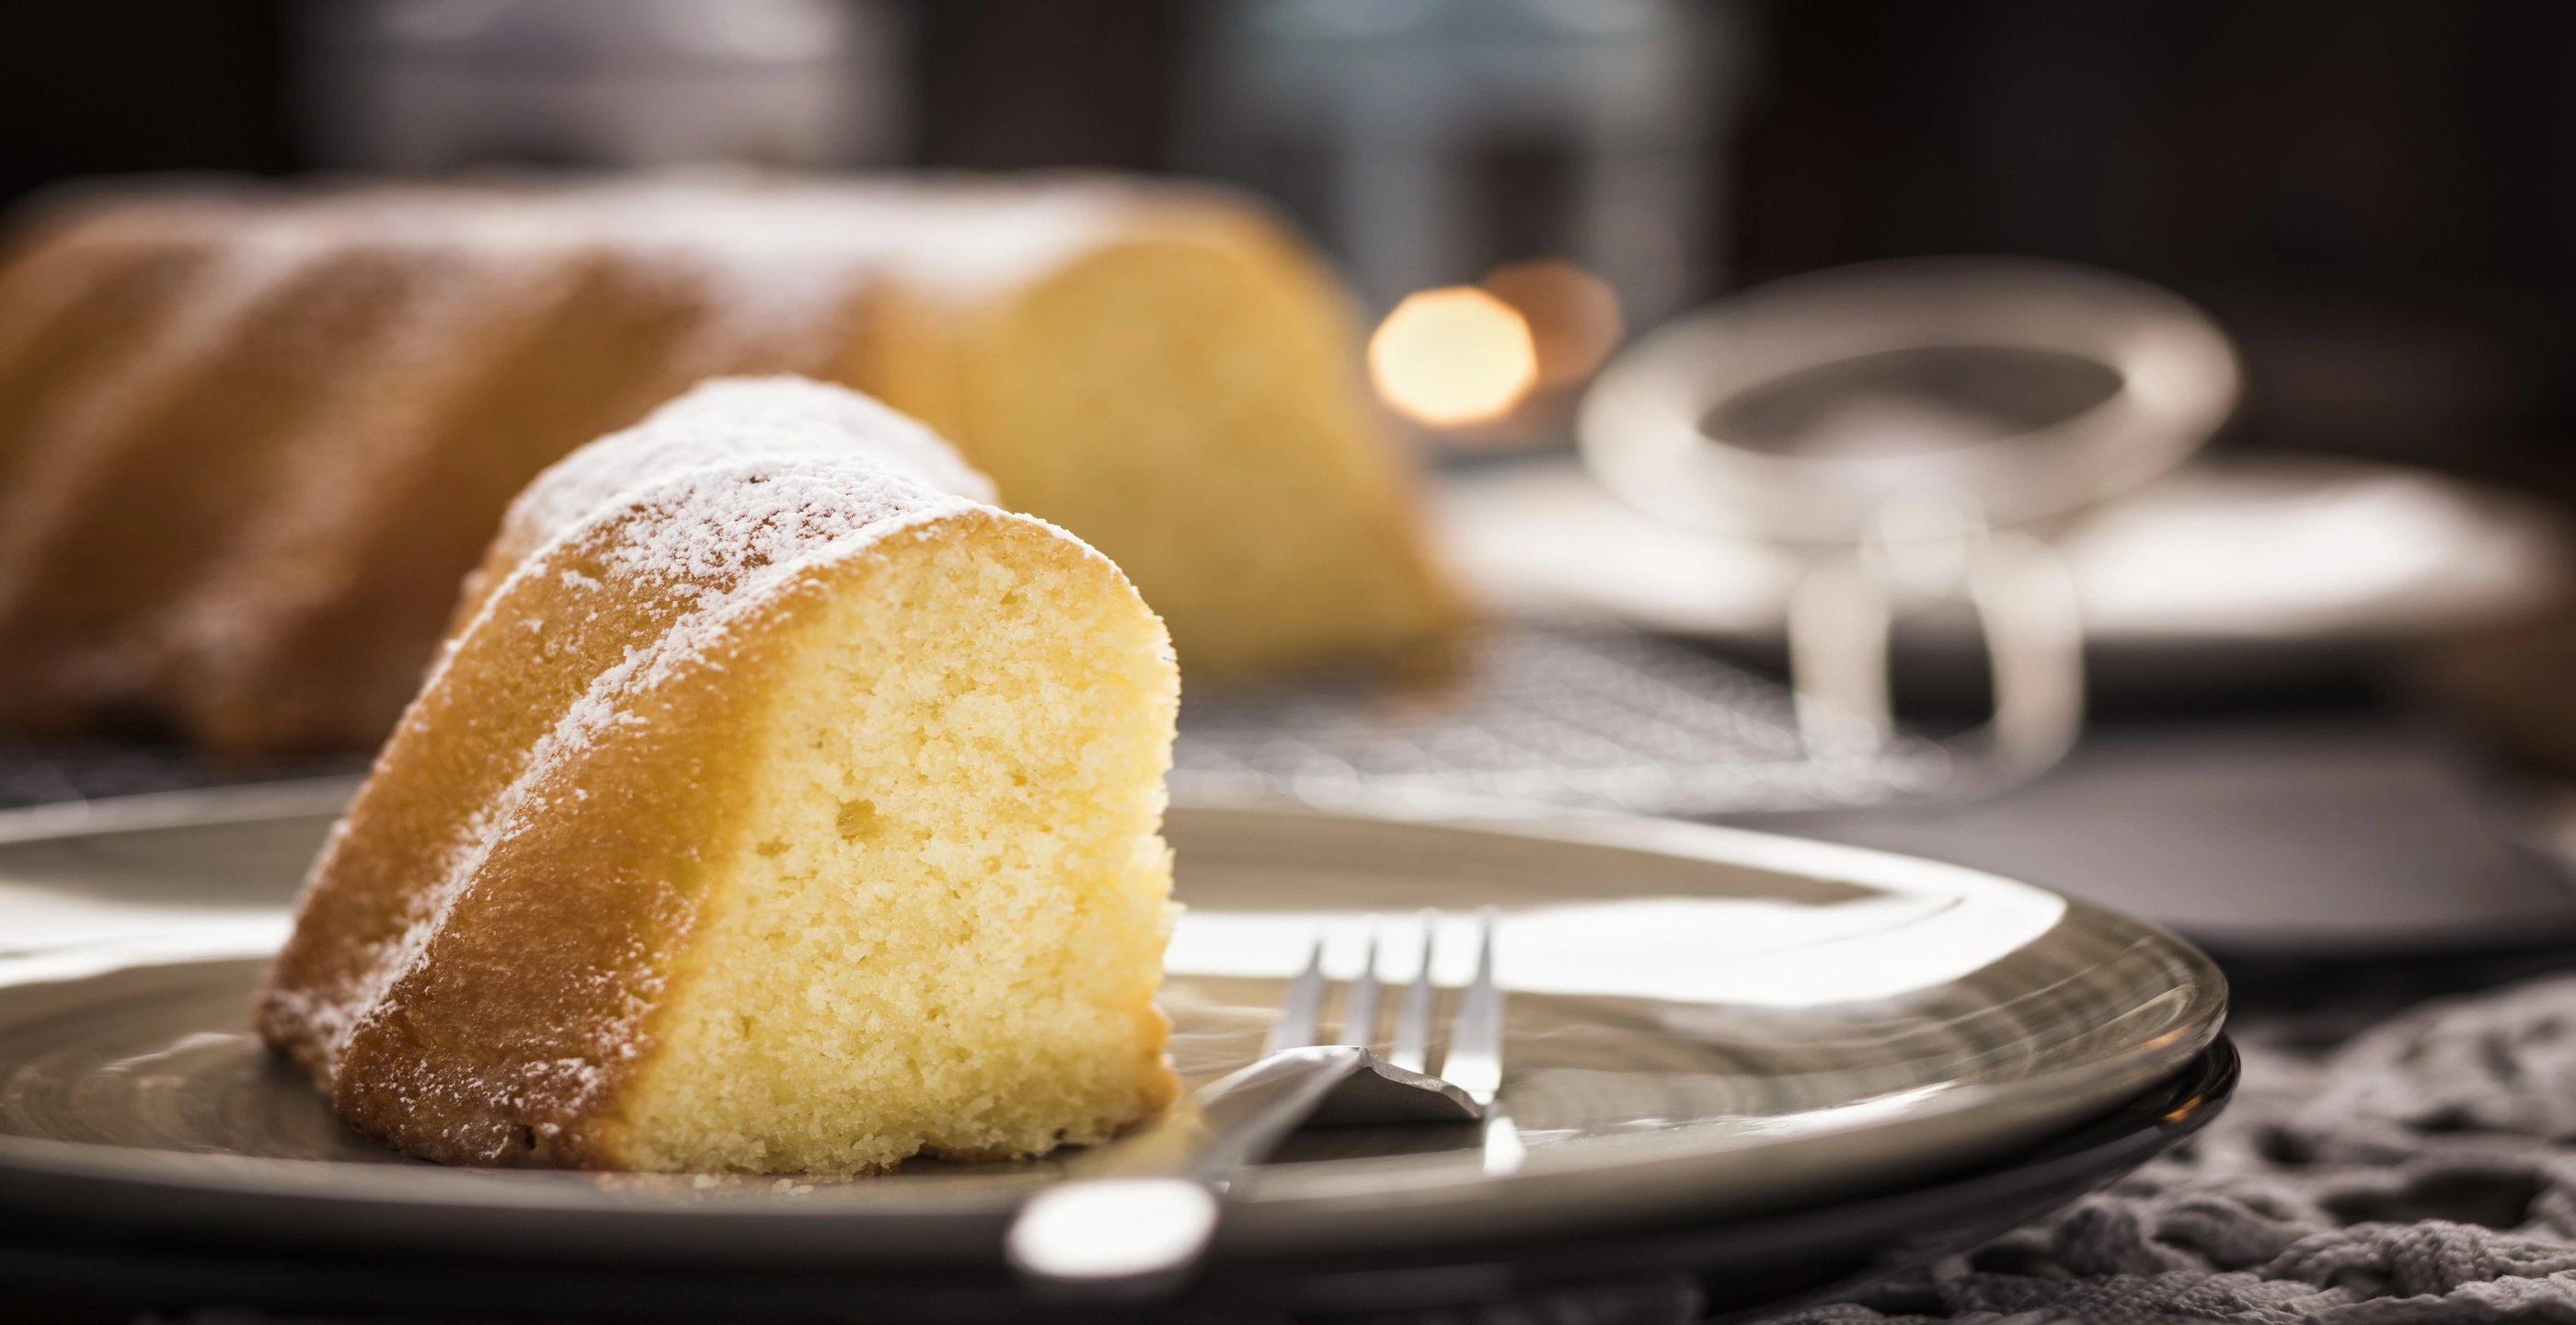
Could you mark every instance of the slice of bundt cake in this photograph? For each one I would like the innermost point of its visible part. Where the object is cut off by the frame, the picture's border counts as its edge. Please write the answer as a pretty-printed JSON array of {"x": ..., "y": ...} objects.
[
  {"x": 250, "y": 438},
  {"x": 774, "y": 805}
]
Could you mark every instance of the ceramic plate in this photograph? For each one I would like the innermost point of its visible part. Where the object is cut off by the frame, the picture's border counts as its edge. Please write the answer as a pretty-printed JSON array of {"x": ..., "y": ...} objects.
[
  {"x": 1669, "y": 1271},
  {"x": 1702, "y": 1023}
]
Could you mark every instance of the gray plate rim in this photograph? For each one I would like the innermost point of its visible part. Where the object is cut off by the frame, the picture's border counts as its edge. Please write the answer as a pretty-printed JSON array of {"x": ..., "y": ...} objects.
[{"x": 962, "y": 1216}]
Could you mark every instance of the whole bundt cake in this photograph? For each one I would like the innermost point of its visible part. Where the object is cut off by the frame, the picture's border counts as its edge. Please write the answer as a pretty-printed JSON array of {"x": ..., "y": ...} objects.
[
  {"x": 774, "y": 805},
  {"x": 250, "y": 438}
]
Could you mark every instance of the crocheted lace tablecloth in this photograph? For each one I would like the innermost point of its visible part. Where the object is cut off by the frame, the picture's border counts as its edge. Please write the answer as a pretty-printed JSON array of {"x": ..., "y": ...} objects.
[{"x": 2423, "y": 1171}]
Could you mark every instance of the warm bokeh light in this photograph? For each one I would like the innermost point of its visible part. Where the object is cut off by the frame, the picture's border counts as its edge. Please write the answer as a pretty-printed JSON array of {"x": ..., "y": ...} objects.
[
  {"x": 1454, "y": 356},
  {"x": 1572, "y": 314}
]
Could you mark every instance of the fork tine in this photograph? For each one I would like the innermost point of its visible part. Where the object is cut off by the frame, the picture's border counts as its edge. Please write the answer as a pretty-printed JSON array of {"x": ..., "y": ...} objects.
[
  {"x": 1413, "y": 1022},
  {"x": 1359, "y": 1007},
  {"x": 1303, "y": 1008},
  {"x": 1475, "y": 1061}
]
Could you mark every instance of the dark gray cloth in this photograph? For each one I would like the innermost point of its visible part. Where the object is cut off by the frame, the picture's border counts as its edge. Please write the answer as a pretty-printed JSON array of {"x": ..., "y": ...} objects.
[{"x": 2423, "y": 1172}]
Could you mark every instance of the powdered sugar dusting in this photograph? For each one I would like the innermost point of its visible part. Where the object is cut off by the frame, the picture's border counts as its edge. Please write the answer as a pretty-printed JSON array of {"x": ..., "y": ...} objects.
[
  {"x": 776, "y": 262},
  {"x": 780, "y": 416},
  {"x": 772, "y": 243}
]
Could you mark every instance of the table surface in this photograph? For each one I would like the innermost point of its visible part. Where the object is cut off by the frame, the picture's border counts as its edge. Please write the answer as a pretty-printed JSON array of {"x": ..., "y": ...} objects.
[{"x": 2328, "y": 835}]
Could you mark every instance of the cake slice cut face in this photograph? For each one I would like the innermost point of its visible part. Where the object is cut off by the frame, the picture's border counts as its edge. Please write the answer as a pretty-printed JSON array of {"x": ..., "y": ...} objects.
[{"x": 770, "y": 809}]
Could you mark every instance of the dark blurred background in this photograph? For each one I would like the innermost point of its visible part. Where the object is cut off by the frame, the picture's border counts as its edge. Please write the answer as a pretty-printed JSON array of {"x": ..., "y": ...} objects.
[{"x": 2375, "y": 197}]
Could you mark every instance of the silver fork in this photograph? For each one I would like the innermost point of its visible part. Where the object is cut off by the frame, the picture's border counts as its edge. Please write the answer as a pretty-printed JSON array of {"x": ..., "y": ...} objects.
[{"x": 1138, "y": 1215}]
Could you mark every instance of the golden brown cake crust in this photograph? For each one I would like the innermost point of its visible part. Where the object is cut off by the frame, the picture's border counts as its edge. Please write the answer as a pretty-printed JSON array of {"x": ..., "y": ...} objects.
[
  {"x": 1284, "y": 494},
  {"x": 539, "y": 961},
  {"x": 532, "y": 983}
]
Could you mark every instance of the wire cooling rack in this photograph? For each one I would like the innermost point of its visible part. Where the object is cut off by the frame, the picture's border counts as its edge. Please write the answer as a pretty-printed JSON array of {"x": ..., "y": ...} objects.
[
  {"x": 69, "y": 772},
  {"x": 1542, "y": 718}
]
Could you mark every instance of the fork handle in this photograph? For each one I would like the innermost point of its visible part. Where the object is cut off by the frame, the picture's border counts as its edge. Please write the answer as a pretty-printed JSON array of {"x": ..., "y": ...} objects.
[{"x": 1133, "y": 1224}]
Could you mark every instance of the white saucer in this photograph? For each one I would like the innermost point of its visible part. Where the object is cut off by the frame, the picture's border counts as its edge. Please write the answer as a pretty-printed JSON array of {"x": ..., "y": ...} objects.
[{"x": 2243, "y": 553}]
